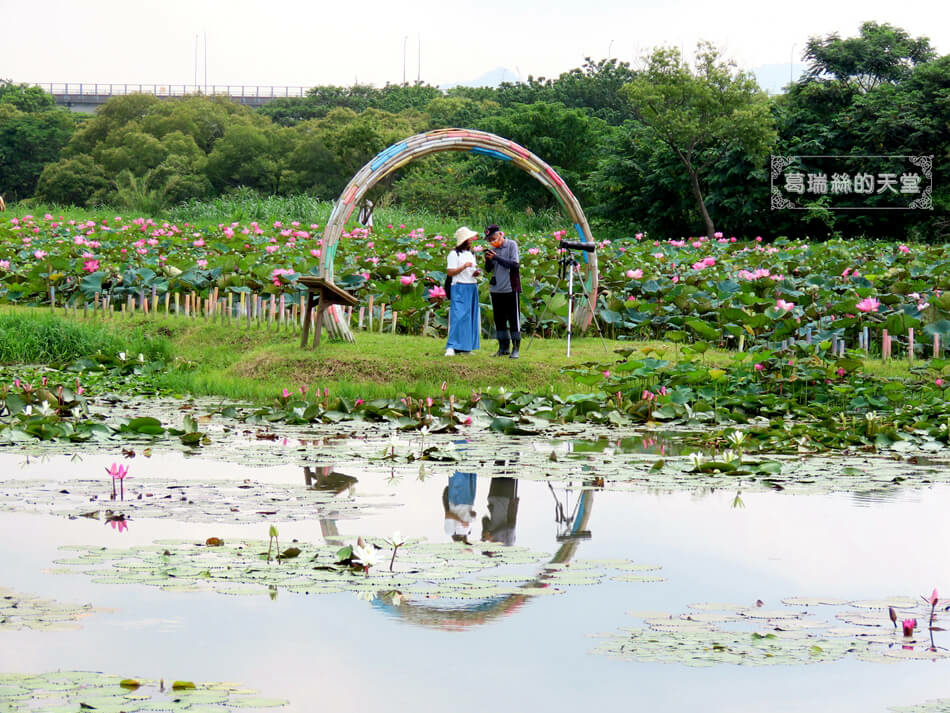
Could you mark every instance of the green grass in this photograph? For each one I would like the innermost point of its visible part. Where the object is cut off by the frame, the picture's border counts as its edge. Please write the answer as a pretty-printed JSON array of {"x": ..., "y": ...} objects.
[
  {"x": 256, "y": 364},
  {"x": 34, "y": 337}
]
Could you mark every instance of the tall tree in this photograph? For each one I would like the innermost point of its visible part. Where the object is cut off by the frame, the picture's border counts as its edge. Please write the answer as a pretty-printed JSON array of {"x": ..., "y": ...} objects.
[
  {"x": 881, "y": 53},
  {"x": 701, "y": 114}
]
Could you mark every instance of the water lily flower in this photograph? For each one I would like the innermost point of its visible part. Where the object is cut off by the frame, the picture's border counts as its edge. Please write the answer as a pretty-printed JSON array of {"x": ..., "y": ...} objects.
[
  {"x": 939, "y": 382},
  {"x": 408, "y": 279},
  {"x": 909, "y": 625},
  {"x": 868, "y": 304},
  {"x": 366, "y": 556},
  {"x": 758, "y": 367},
  {"x": 358, "y": 402},
  {"x": 783, "y": 305},
  {"x": 285, "y": 394}
]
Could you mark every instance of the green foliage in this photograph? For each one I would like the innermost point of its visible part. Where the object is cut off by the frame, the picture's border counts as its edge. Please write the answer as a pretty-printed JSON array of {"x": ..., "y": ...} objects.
[
  {"x": 882, "y": 53},
  {"x": 29, "y": 140},
  {"x": 568, "y": 139},
  {"x": 701, "y": 114},
  {"x": 40, "y": 339},
  {"x": 76, "y": 180}
]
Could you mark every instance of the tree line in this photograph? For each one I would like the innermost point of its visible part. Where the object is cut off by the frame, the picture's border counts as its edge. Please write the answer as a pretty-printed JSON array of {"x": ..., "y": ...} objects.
[{"x": 673, "y": 147}]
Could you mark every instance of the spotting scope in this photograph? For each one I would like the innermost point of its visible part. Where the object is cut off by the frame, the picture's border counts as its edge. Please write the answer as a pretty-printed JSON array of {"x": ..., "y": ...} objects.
[{"x": 575, "y": 245}]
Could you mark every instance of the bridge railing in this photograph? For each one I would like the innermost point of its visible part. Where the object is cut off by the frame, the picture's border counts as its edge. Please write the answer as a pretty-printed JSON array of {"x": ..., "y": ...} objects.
[{"x": 94, "y": 90}]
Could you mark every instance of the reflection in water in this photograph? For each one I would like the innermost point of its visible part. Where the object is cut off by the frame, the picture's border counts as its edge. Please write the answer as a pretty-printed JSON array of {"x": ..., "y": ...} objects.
[
  {"x": 458, "y": 502},
  {"x": 325, "y": 479},
  {"x": 498, "y": 526}
]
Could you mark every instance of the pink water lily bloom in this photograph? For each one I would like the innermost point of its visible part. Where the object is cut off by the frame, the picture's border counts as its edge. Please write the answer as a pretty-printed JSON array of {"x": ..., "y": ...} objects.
[
  {"x": 783, "y": 305},
  {"x": 868, "y": 304},
  {"x": 908, "y": 626}
]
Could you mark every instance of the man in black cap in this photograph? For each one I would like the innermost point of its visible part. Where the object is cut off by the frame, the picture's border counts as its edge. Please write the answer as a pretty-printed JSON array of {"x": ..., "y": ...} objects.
[{"x": 502, "y": 261}]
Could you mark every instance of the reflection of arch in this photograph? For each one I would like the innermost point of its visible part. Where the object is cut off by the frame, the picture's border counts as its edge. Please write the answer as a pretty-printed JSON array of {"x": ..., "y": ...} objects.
[
  {"x": 491, "y": 608},
  {"x": 477, "y": 142}
]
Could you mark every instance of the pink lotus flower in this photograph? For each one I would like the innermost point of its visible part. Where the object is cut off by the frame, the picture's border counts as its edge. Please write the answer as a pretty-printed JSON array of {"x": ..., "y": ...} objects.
[
  {"x": 39, "y": 254},
  {"x": 903, "y": 248},
  {"x": 118, "y": 472},
  {"x": 840, "y": 371},
  {"x": 647, "y": 395},
  {"x": 4, "y": 264},
  {"x": 285, "y": 394},
  {"x": 868, "y": 304},
  {"x": 939, "y": 382},
  {"x": 408, "y": 279},
  {"x": 606, "y": 374},
  {"x": 783, "y": 305},
  {"x": 358, "y": 402},
  {"x": 758, "y": 367},
  {"x": 437, "y": 293},
  {"x": 635, "y": 274}
]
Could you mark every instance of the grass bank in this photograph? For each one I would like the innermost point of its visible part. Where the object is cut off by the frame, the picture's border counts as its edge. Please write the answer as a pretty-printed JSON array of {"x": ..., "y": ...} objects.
[{"x": 256, "y": 364}]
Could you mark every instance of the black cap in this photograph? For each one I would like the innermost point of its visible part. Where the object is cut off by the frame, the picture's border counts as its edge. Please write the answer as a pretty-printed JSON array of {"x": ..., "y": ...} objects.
[{"x": 490, "y": 230}]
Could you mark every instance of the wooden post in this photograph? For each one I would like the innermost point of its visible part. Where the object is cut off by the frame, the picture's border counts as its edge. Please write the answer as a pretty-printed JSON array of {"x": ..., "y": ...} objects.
[
  {"x": 52, "y": 299},
  {"x": 910, "y": 344},
  {"x": 167, "y": 299},
  {"x": 360, "y": 325},
  {"x": 394, "y": 322},
  {"x": 425, "y": 321},
  {"x": 936, "y": 346},
  {"x": 369, "y": 313},
  {"x": 885, "y": 345},
  {"x": 382, "y": 317}
]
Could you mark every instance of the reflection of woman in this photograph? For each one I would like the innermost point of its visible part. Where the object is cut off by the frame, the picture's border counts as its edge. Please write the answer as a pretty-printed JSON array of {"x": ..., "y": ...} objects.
[
  {"x": 458, "y": 500},
  {"x": 464, "y": 310}
]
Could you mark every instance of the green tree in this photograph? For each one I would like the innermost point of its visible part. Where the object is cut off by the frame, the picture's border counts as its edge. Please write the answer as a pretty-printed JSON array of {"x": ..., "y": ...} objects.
[
  {"x": 28, "y": 142},
  {"x": 26, "y": 98},
  {"x": 701, "y": 114},
  {"x": 76, "y": 180},
  {"x": 567, "y": 139},
  {"x": 882, "y": 53}
]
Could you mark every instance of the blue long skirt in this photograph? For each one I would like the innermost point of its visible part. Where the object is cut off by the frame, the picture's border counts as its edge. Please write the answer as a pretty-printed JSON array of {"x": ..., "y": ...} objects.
[{"x": 464, "y": 318}]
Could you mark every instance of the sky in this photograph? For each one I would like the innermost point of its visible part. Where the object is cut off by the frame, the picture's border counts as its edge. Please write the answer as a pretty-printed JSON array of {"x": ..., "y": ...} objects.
[{"x": 297, "y": 43}]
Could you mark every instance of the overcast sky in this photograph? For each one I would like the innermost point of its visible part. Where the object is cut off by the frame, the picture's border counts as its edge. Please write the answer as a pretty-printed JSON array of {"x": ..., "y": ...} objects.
[{"x": 297, "y": 43}]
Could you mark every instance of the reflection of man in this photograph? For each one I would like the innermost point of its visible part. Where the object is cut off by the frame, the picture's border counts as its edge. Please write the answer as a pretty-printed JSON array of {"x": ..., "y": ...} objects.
[
  {"x": 458, "y": 500},
  {"x": 499, "y": 524}
]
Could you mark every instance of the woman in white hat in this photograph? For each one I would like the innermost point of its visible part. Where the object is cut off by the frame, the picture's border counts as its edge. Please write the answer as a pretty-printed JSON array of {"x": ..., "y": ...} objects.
[{"x": 464, "y": 310}]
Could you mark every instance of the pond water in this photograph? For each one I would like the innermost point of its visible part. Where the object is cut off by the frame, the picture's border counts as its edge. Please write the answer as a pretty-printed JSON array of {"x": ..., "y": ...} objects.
[{"x": 621, "y": 556}]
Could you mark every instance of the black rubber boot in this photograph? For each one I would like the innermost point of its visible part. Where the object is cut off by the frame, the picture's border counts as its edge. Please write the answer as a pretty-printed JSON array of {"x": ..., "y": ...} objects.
[
  {"x": 503, "y": 343},
  {"x": 515, "y": 347}
]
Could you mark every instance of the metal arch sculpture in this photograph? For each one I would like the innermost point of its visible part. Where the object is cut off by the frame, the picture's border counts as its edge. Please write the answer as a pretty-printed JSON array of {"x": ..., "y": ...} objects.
[{"x": 477, "y": 142}]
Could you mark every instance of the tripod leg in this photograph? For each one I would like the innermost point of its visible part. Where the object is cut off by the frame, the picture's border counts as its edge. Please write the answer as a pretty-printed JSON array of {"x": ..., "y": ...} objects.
[
  {"x": 593, "y": 313},
  {"x": 544, "y": 311}
]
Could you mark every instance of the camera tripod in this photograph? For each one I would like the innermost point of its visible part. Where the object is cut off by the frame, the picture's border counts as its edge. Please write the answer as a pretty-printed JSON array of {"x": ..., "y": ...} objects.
[{"x": 568, "y": 265}]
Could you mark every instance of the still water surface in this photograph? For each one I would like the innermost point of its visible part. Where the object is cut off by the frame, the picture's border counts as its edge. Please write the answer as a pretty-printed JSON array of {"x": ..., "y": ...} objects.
[{"x": 340, "y": 653}]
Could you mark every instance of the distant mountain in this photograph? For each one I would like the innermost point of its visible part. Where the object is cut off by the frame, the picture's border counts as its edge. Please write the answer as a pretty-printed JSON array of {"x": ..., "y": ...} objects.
[
  {"x": 489, "y": 79},
  {"x": 773, "y": 78}
]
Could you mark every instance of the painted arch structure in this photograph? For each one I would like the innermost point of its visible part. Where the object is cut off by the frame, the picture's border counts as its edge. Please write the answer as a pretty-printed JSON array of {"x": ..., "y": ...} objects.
[{"x": 476, "y": 142}]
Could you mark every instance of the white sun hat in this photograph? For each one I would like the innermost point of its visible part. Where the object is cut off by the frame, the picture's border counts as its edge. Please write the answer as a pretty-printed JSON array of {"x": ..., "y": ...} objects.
[{"x": 464, "y": 234}]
